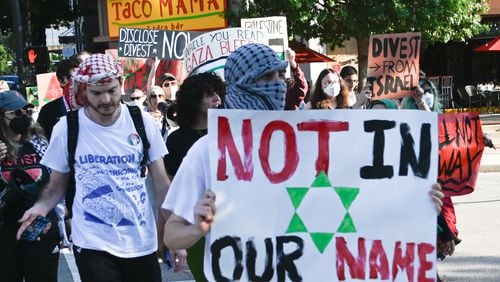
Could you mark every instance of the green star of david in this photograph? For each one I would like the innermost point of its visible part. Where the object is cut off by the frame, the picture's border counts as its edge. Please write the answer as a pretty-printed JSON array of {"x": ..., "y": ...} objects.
[{"x": 347, "y": 196}]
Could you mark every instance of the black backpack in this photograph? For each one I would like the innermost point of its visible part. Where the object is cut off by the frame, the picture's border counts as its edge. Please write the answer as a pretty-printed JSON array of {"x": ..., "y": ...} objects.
[{"x": 72, "y": 119}]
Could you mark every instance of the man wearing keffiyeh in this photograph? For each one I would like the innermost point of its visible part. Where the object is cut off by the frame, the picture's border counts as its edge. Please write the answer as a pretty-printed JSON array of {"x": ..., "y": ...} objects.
[
  {"x": 255, "y": 80},
  {"x": 113, "y": 227}
]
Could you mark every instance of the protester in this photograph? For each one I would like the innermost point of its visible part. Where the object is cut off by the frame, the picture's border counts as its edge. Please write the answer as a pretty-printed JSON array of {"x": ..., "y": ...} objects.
[
  {"x": 114, "y": 231},
  {"x": 168, "y": 82},
  {"x": 425, "y": 97},
  {"x": 137, "y": 98},
  {"x": 330, "y": 92},
  {"x": 297, "y": 87},
  {"x": 383, "y": 104},
  {"x": 197, "y": 94},
  {"x": 253, "y": 74},
  {"x": 356, "y": 100},
  {"x": 22, "y": 181},
  {"x": 51, "y": 112},
  {"x": 155, "y": 97}
]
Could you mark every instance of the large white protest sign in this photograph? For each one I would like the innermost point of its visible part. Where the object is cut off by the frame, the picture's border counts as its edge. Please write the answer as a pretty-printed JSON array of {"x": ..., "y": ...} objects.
[
  {"x": 322, "y": 195},
  {"x": 208, "y": 52}
]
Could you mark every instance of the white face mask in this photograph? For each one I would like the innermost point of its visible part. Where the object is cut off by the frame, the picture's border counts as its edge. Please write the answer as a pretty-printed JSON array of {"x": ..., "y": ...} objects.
[
  {"x": 429, "y": 99},
  {"x": 138, "y": 102},
  {"x": 332, "y": 89}
]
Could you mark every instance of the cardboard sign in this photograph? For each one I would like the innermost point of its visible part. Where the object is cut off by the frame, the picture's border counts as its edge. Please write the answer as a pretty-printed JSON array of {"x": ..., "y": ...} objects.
[
  {"x": 460, "y": 150},
  {"x": 208, "y": 52},
  {"x": 150, "y": 43},
  {"x": 165, "y": 15},
  {"x": 393, "y": 64},
  {"x": 276, "y": 30},
  {"x": 48, "y": 88},
  {"x": 274, "y": 27},
  {"x": 306, "y": 195}
]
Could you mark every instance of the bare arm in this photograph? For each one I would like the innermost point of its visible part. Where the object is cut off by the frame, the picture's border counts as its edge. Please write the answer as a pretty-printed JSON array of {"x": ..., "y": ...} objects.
[
  {"x": 161, "y": 182},
  {"x": 180, "y": 234},
  {"x": 51, "y": 195}
]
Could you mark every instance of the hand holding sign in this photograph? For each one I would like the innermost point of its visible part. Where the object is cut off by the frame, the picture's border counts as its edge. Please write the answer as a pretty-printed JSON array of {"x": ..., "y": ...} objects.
[
  {"x": 290, "y": 56},
  {"x": 366, "y": 93},
  {"x": 204, "y": 212}
]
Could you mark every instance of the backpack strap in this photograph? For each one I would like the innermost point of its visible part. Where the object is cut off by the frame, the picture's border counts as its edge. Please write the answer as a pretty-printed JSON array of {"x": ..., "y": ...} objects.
[
  {"x": 72, "y": 119},
  {"x": 136, "y": 114}
]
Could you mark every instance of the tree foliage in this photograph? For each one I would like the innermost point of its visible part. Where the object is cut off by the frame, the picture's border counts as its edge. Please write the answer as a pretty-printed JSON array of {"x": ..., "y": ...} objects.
[
  {"x": 38, "y": 14},
  {"x": 333, "y": 21},
  {"x": 6, "y": 60}
]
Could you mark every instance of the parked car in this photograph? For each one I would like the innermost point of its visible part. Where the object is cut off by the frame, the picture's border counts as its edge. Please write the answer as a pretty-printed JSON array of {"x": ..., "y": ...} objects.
[{"x": 12, "y": 80}]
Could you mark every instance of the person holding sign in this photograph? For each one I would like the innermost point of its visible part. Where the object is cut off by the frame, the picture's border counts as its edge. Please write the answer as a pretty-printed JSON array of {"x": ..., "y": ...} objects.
[
  {"x": 330, "y": 92},
  {"x": 255, "y": 79},
  {"x": 297, "y": 86},
  {"x": 425, "y": 97},
  {"x": 253, "y": 74}
]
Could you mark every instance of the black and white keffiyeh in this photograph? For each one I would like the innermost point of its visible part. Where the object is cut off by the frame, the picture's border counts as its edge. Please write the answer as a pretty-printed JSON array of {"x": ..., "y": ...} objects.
[{"x": 243, "y": 67}]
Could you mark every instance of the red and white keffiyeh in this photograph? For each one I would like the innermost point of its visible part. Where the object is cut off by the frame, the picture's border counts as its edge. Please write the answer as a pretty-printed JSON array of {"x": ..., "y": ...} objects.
[{"x": 98, "y": 69}]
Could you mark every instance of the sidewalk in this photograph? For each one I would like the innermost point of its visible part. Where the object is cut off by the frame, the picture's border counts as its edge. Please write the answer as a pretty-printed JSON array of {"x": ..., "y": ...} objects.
[{"x": 490, "y": 162}]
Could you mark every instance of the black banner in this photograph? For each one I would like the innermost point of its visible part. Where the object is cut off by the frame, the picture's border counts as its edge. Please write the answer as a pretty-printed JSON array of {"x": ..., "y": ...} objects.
[{"x": 151, "y": 43}]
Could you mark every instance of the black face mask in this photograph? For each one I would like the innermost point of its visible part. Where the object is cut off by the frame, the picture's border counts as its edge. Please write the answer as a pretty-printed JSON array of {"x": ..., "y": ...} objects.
[{"x": 20, "y": 125}]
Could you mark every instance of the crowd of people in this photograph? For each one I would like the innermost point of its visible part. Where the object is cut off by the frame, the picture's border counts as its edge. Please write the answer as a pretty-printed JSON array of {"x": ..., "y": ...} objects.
[{"x": 113, "y": 184}]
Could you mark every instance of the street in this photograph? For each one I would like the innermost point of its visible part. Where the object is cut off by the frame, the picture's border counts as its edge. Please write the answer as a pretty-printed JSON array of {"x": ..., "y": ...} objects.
[{"x": 477, "y": 258}]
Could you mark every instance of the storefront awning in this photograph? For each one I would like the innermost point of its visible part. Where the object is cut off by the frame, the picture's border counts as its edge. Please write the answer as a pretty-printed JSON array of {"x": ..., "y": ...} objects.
[
  {"x": 307, "y": 55},
  {"x": 490, "y": 46}
]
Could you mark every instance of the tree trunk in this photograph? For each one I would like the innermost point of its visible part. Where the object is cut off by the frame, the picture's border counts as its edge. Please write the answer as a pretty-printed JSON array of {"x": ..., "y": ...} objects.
[{"x": 362, "y": 60}]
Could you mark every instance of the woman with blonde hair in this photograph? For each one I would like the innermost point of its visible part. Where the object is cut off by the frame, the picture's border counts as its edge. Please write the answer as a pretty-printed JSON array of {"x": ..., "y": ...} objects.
[{"x": 330, "y": 92}]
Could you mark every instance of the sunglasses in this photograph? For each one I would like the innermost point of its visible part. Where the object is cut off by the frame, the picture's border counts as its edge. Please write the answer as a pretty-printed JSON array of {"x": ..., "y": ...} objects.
[
  {"x": 156, "y": 96},
  {"x": 169, "y": 83},
  {"x": 21, "y": 112},
  {"x": 134, "y": 98}
]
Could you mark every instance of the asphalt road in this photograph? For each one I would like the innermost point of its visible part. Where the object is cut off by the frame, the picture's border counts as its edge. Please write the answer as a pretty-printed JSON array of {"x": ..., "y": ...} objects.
[{"x": 477, "y": 258}]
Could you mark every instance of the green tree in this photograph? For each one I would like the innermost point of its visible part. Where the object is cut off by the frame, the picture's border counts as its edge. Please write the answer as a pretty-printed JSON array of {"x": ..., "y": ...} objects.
[
  {"x": 7, "y": 60},
  {"x": 334, "y": 21}
]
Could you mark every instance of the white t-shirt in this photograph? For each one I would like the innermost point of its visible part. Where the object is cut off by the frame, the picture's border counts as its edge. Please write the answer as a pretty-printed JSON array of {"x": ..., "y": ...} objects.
[
  {"x": 111, "y": 210},
  {"x": 190, "y": 182}
]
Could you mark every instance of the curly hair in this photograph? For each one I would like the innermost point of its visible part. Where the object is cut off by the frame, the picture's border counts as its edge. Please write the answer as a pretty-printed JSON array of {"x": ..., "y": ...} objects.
[
  {"x": 191, "y": 94},
  {"x": 13, "y": 146},
  {"x": 319, "y": 100}
]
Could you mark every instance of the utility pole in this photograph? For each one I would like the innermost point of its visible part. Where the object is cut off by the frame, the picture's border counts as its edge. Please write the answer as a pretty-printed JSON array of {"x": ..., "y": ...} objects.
[{"x": 18, "y": 34}]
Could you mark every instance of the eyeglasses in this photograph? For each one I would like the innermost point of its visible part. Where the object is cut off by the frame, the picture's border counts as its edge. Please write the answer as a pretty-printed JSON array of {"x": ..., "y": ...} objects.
[
  {"x": 156, "y": 96},
  {"x": 20, "y": 112},
  {"x": 169, "y": 83},
  {"x": 135, "y": 98}
]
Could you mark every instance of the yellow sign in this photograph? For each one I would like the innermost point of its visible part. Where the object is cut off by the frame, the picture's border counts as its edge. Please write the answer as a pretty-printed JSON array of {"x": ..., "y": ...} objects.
[{"x": 166, "y": 14}]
